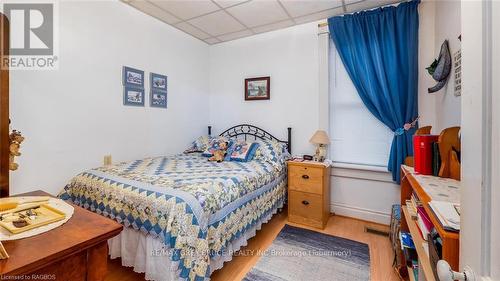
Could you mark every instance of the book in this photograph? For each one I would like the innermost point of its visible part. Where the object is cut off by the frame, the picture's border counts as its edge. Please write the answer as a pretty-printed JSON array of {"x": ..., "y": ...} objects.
[
  {"x": 447, "y": 214},
  {"x": 436, "y": 159},
  {"x": 424, "y": 223}
]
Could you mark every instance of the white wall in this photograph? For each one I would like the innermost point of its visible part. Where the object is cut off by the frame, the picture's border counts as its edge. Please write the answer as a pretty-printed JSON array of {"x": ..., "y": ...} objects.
[
  {"x": 73, "y": 116},
  {"x": 447, "y": 26}
]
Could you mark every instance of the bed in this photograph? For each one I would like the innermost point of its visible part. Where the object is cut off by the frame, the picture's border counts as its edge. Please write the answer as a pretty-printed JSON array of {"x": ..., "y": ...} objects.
[{"x": 184, "y": 216}]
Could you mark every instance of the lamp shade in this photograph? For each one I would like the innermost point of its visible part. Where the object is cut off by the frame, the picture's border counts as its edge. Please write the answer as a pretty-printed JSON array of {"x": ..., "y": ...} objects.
[{"x": 320, "y": 137}]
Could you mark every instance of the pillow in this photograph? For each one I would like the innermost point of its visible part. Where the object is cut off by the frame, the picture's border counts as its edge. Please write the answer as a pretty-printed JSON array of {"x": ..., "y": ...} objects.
[
  {"x": 199, "y": 145},
  {"x": 272, "y": 150},
  {"x": 241, "y": 151},
  {"x": 218, "y": 143}
]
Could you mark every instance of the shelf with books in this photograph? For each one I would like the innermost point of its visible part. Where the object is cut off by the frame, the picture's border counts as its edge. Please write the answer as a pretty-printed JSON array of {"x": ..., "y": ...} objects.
[
  {"x": 423, "y": 257},
  {"x": 450, "y": 239}
]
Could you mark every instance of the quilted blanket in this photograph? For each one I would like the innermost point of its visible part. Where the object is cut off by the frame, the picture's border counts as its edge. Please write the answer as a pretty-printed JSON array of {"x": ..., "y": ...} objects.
[{"x": 194, "y": 206}]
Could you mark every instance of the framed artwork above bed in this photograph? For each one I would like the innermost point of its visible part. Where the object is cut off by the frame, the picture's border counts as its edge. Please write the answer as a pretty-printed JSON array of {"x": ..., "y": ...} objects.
[{"x": 258, "y": 88}]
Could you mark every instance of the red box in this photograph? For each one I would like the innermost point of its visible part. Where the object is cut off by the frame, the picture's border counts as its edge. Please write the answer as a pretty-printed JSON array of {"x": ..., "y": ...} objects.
[{"x": 422, "y": 153}]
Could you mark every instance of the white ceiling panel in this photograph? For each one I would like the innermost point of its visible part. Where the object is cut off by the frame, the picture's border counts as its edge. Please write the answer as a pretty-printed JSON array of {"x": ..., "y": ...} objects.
[
  {"x": 302, "y": 7},
  {"x": 273, "y": 26},
  {"x": 320, "y": 16},
  {"x": 186, "y": 9},
  {"x": 229, "y": 3},
  {"x": 212, "y": 40},
  {"x": 255, "y": 13},
  {"x": 235, "y": 35},
  {"x": 368, "y": 4},
  {"x": 154, "y": 11},
  {"x": 188, "y": 28},
  {"x": 217, "y": 23}
]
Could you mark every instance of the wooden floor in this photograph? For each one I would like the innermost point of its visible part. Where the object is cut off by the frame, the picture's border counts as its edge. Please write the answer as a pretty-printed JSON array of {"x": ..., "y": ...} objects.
[{"x": 381, "y": 255}]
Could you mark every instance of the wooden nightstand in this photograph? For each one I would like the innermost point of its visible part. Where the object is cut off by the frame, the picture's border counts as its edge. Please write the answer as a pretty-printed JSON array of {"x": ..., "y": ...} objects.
[{"x": 308, "y": 193}]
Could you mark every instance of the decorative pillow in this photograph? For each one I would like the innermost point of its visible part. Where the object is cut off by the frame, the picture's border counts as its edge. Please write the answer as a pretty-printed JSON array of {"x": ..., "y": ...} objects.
[
  {"x": 199, "y": 145},
  {"x": 241, "y": 151},
  {"x": 272, "y": 150},
  {"x": 218, "y": 143}
]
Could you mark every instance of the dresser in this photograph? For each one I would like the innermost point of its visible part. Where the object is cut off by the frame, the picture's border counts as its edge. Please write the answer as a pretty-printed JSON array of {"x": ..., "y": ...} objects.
[
  {"x": 76, "y": 251},
  {"x": 308, "y": 193}
]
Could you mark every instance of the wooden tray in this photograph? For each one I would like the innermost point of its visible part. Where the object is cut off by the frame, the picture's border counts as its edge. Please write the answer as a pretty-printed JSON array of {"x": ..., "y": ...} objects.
[{"x": 45, "y": 215}]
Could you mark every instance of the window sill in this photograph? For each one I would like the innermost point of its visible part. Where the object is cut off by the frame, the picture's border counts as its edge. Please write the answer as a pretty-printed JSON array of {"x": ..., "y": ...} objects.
[
  {"x": 361, "y": 172},
  {"x": 360, "y": 167}
]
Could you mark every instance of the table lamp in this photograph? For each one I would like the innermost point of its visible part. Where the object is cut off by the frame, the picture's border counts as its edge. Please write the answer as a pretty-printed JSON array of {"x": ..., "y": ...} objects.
[{"x": 321, "y": 139}]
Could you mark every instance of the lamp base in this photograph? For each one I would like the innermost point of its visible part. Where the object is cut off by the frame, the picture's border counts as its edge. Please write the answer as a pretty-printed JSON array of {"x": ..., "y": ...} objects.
[{"x": 320, "y": 153}]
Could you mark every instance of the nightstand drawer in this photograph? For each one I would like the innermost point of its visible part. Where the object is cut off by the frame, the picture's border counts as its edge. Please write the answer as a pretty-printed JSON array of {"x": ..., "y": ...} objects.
[
  {"x": 305, "y": 178},
  {"x": 305, "y": 208}
]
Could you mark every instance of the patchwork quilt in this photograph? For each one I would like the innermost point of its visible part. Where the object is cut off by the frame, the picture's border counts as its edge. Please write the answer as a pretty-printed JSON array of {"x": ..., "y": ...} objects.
[{"x": 194, "y": 206}]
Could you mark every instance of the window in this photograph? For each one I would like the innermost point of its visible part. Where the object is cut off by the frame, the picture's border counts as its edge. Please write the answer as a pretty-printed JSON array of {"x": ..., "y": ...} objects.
[{"x": 357, "y": 136}]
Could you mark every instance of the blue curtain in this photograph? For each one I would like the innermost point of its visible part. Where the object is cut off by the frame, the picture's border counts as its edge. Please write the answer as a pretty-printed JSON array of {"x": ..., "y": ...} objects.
[{"x": 379, "y": 49}]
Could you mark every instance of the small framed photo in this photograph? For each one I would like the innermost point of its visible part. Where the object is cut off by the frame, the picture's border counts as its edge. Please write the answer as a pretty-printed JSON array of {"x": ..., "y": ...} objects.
[
  {"x": 158, "y": 99},
  {"x": 133, "y": 96},
  {"x": 158, "y": 82},
  {"x": 133, "y": 77},
  {"x": 258, "y": 88}
]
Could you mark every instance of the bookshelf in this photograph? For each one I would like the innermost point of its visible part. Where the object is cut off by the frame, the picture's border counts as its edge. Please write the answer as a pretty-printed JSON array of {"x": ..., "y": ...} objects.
[
  {"x": 451, "y": 240},
  {"x": 423, "y": 257}
]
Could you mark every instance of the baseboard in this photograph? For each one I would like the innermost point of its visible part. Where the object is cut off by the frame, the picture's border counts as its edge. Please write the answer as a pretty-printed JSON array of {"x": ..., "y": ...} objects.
[{"x": 360, "y": 213}]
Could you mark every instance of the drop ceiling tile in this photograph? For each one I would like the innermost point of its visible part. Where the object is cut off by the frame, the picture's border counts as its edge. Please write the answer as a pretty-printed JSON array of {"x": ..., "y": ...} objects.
[
  {"x": 369, "y": 4},
  {"x": 303, "y": 7},
  {"x": 273, "y": 26},
  {"x": 235, "y": 35},
  {"x": 154, "y": 11},
  {"x": 186, "y": 9},
  {"x": 212, "y": 40},
  {"x": 229, "y": 3},
  {"x": 188, "y": 28},
  {"x": 256, "y": 13},
  {"x": 217, "y": 23},
  {"x": 319, "y": 16}
]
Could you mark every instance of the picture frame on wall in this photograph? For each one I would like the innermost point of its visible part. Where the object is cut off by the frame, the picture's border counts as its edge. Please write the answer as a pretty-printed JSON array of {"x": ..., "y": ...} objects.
[
  {"x": 158, "y": 82},
  {"x": 158, "y": 99},
  {"x": 258, "y": 88},
  {"x": 133, "y": 96},
  {"x": 133, "y": 77}
]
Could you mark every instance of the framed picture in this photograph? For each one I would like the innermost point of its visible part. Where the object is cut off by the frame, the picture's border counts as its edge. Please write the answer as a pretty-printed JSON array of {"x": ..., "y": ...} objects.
[
  {"x": 158, "y": 99},
  {"x": 133, "y": 96},
  {"x": 158, "y": 82},
  {"x": 133, "y": 77},
  {"x": 258, "y": 88}
]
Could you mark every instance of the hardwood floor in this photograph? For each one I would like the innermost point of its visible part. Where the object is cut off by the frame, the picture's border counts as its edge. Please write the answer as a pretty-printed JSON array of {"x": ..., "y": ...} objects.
[{"x": 381, "y": 255}]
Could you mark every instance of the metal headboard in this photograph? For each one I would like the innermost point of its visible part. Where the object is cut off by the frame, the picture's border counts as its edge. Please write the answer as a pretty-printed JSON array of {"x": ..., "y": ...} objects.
[{"x": 246, "y": 131}]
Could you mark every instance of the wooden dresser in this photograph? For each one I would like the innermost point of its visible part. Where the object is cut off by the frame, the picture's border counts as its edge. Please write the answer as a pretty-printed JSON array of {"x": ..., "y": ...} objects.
[
  {"x": 76, "y": 251},
  {"x": 308, "y": 193}
]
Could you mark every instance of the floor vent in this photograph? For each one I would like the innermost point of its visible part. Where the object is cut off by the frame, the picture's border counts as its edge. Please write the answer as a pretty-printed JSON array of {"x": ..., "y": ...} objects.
[{"x": 376, "y": 231}]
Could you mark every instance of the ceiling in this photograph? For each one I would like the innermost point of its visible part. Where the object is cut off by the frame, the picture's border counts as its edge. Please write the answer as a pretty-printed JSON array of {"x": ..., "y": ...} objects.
[{"x": 216, "y": 21}]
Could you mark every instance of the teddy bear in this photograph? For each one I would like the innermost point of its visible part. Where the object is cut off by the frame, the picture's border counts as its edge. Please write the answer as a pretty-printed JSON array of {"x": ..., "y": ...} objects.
[
  {"x": 219, "y": 154},
  {"x": 15, "y": 139}
]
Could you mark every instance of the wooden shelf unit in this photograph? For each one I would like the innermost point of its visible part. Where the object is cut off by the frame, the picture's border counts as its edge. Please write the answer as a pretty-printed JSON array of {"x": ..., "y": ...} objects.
[{"x": 451, "y": 240}]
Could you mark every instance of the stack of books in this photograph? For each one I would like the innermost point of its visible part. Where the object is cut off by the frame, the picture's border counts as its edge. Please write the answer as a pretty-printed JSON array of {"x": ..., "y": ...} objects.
[
  {"x": 412, "y": 206},
  {"x": 424, "y": 223},
  {"x": 447, "y": 213}
]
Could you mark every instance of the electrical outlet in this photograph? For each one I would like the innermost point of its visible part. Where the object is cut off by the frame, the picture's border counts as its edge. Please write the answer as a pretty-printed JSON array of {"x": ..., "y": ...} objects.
[{"x": 107, "y": 160}]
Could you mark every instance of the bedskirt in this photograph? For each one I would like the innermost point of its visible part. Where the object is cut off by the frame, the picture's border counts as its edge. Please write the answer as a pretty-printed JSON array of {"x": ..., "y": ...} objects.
[{"x": 149, "y": 255}]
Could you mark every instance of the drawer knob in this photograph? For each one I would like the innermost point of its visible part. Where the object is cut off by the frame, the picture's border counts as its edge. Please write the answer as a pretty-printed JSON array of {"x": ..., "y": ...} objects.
[
  {"x": 305, "y": 177},
  {"x": 305, "y": 202}
]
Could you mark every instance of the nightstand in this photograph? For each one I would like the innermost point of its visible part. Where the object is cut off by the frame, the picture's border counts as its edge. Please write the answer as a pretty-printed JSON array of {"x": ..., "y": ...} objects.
[{"x": 308, "y": 193}]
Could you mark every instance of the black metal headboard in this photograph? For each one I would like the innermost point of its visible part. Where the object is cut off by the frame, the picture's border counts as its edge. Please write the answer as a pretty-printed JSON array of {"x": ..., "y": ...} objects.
[{"x": 246, "y": 130}]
